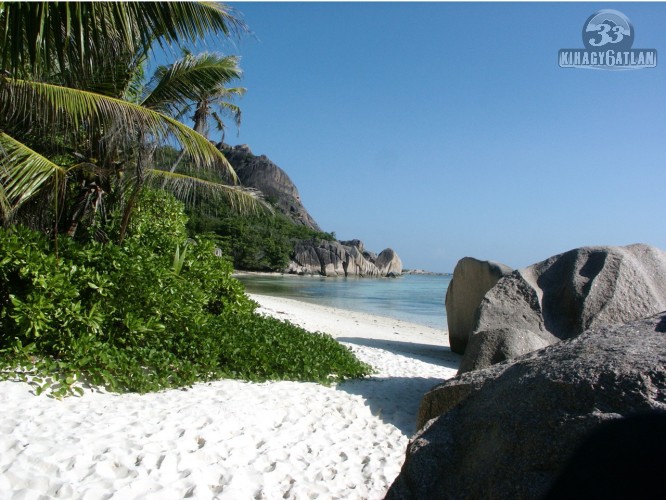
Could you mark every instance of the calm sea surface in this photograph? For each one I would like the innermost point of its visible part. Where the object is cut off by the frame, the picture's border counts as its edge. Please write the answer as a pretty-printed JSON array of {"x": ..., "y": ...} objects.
[{"x": 417, "y": 298}]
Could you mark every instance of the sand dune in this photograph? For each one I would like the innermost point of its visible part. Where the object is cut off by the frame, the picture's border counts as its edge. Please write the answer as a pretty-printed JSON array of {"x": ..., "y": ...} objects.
[{"x": 230, "y": 439}]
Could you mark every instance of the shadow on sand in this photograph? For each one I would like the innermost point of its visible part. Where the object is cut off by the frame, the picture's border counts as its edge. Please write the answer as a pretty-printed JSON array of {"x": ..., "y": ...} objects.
[
  {"x": 396, "y": 400},
  {"x": 438, "y": 355}
]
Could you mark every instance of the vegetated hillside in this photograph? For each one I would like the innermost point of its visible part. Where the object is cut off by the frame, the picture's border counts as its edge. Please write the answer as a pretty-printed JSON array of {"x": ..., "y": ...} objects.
[
  {"x": 261, "y": 242},
  {"x": 258, "y": 242},
  {"x": 290, "y": 239}
]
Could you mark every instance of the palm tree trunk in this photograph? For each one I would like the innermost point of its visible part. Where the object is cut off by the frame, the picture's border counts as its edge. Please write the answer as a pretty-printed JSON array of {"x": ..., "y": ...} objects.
[
  {"x": 129, "y": 208},
  {"x": 144, "y": 154},
  {"x": 200, "y": 117}
]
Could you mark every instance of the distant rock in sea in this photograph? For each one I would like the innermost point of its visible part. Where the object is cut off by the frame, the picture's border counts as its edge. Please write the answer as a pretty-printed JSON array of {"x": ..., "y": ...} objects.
[
  {"x": 388, "y": 263},
  {"x": 422, "y": 272}
]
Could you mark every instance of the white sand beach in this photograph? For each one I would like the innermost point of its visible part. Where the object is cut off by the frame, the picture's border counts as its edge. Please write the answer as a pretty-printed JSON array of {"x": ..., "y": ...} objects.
[{"x": 230, "y": 439}]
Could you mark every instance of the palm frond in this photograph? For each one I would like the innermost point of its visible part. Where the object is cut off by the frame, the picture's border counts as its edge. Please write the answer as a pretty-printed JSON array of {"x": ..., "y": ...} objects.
[
  {"x": 187, "y": 188},
  {"x": 231, "y": 109},
  {"x": 53, "y": 104},
  {"x": 175, "y": 21},
  {"x": 45, "y": 35},
  {"x": 188, "y": 79},
  {"x": 22, "y": 173}
]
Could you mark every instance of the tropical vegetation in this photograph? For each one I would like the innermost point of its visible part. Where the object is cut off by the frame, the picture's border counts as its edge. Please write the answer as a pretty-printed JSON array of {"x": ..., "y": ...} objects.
[
  {"x": 159, "y": 311},
  {"x": 254, "y": 242},
  {"x": 80, "y": 123},
  {"x": 98, "y": 280}
]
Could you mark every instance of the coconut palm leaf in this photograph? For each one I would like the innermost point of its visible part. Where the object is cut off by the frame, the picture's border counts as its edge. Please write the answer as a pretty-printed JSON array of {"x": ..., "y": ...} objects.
[
  {"x": 36, "y": 36},
  {"x": 186, "y": 80},
  {"x": 187, "y": 188},
  {"x": 23, "y": 172},
  {"x": 227, "y": 108},
  {"x": 74, "y": 108}
]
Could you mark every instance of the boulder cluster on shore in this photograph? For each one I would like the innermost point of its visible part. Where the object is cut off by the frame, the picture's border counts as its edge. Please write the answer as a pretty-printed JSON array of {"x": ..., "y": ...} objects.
[
  {"x": 343, "y": 258},
  {"x": 552, "y": 353}
]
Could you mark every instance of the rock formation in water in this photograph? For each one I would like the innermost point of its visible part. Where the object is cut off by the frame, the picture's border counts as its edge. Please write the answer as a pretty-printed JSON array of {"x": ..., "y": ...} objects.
[
  {"x": 507, "y": 431},
  {"x": 261, "y": 173},
  {"x": 342, "y": 258},
  {"x": 388, "y": 263},
  {"x": 563, "y": 296}
]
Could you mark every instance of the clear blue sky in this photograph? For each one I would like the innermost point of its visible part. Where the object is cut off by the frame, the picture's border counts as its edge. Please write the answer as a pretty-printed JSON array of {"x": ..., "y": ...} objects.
[{"x": 447, "y": 130}]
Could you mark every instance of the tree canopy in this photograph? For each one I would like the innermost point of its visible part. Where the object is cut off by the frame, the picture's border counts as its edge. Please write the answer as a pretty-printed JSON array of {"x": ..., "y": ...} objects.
[{"x": 79, "y": 125}]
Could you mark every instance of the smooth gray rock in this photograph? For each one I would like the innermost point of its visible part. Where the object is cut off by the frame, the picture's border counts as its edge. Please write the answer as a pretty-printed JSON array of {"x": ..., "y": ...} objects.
[
  {"x": 618, "y": 450},
  {"x": 354, "y": 243},
  {"x": 507, "y": 431},
  {"x": 388, "y": 263},
  {"x": 471, "y": 280},
  {"x": 567, "y": 294},
  {"x": 489, "y": 347},
  {"x": 318, "y": 257}
]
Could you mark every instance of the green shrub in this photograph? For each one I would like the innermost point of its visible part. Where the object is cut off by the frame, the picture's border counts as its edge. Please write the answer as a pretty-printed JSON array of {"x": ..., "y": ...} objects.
[
  {"x": 263, "y": 348},
  {"x": 123, "y": 317},
  {"x": 158, "y": 222}
]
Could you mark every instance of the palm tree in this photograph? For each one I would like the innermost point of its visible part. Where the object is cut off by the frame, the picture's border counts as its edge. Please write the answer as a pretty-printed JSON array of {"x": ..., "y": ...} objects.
[
  {"x": 174, "y": 90},
  {"x": 65, "y": 70},
  {"x": 197, "y": 84}
]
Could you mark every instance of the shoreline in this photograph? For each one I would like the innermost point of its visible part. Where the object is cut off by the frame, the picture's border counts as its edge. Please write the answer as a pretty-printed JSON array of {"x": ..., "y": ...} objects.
[
  {"x": 232, "y": 439},
  {"x": 413, "y": 299},
  {"x": 408, "y": 272},
  {"x": 356, "y": 327}
]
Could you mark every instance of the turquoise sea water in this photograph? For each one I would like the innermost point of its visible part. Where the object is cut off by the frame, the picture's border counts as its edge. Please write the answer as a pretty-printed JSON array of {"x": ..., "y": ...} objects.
[{"x": 414, "y": 298}]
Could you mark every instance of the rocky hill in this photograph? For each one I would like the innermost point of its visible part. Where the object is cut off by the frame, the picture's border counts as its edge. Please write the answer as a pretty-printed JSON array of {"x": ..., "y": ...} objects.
[
  {"x": 312, "y": 256},
  {"x": 261, "y": 173}
]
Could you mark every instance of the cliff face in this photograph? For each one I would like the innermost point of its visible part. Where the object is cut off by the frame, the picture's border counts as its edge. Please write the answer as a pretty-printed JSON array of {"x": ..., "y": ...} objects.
[{"x": 261, "y": 173}]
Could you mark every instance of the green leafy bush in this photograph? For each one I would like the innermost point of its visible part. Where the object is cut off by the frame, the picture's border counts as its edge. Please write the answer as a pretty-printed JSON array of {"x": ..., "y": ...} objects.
[
  {"x": 158, "y": 222},
  {"x": 123, "y": 318},
  {"x": 262, "y": 348}
]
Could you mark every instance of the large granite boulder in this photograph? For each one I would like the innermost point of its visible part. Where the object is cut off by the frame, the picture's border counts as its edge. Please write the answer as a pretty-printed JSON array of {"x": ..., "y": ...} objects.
[
  {"x": 563, "y": 296},
  {"x": 388, "y": 263},
  {"x": 471, "y": 280},
  {"x": 489, "y": 347},
  {"x": 337, "y": 258},
  {"x": 259, "y": 172},
  {"x": 507, "y": 431},
  {"x": 622, "y": 458}
]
